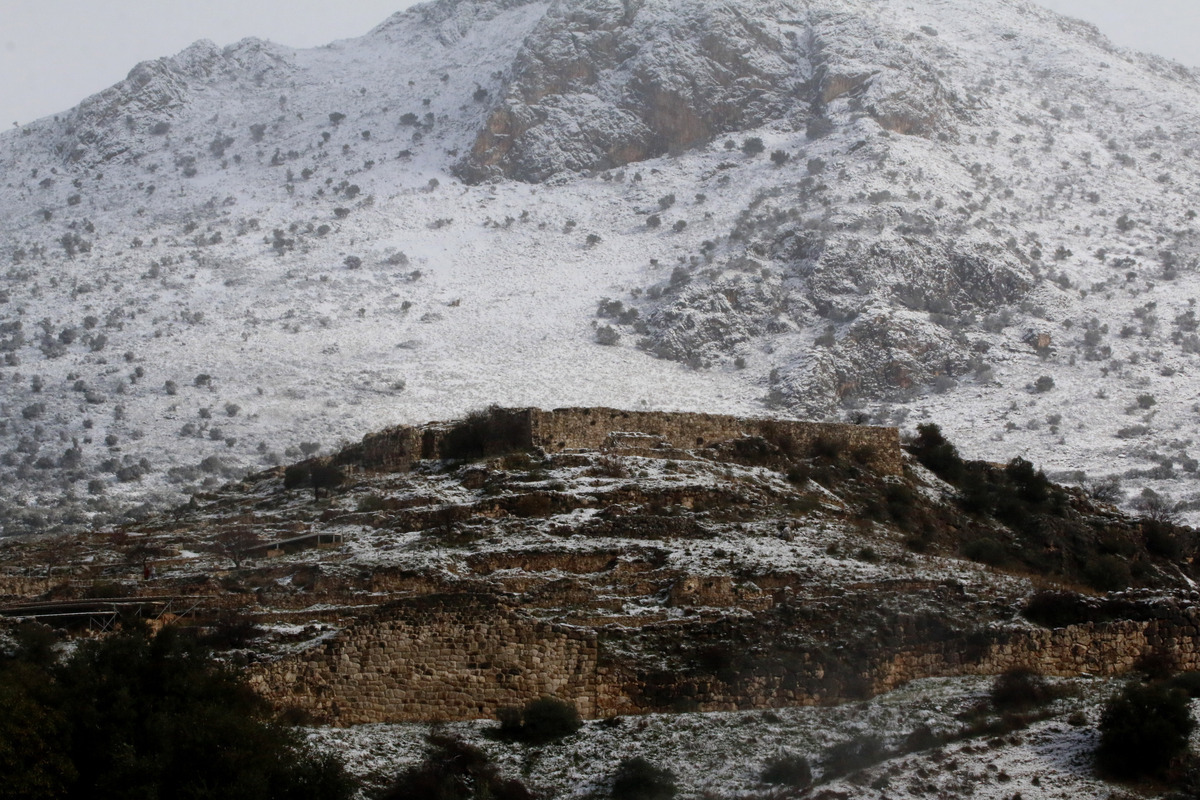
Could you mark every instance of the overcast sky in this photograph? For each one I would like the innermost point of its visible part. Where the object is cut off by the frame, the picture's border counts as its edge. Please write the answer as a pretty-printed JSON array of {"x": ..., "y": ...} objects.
[{"x": 54, "y": 53}]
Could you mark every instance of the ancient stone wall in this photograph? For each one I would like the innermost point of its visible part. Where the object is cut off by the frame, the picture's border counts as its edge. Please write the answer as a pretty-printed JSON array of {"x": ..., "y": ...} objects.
[
  {"x": 452, "y": 657},
  {"x": 391, "y": 450},
  {"x": 23, "y": 587},
  {"x": 443, "y": 657},
  {"x": 600, "y": 429},
  {"x": 593, "y": 428},
  {"x": 813, "y": 677}
]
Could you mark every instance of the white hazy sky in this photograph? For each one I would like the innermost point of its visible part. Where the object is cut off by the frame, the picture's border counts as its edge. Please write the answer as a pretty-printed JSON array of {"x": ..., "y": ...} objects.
[{"x": 54, "y": 53}]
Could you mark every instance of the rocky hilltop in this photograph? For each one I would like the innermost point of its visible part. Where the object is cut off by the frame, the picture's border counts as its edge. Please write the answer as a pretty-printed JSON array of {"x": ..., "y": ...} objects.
[
  {"x": 632, "y": 563},
  {"x": 865, "y": 211}
]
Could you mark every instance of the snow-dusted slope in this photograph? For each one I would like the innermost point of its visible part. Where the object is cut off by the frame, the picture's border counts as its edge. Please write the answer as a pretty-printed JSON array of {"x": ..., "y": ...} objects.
[{"x": 290, "y": 225}]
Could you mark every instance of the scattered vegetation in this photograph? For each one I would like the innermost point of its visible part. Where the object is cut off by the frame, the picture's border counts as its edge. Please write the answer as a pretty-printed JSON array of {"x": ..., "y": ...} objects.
[
  {"x": 852, "y": 755},
  {"x": 788, "y": 769},
  {"x": 1049, "y": 535},
  {"x": 1021, "y": 690},
  {"x": 540, "y": 721}
]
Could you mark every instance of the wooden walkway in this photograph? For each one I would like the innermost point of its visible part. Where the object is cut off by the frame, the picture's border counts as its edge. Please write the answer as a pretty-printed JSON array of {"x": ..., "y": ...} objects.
[{"x": 99, "y": 613}]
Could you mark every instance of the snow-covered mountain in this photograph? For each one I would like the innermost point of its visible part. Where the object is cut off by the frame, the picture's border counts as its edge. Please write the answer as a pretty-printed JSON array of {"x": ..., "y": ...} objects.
[{"x": 977, "y": 214}]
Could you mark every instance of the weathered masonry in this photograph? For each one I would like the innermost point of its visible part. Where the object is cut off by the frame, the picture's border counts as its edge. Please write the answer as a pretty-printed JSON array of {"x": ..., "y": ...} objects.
[
  {"x": 642, "y": 432},
  {"x": 463, "y": 656},
  {"x": 440, "y": 657}
]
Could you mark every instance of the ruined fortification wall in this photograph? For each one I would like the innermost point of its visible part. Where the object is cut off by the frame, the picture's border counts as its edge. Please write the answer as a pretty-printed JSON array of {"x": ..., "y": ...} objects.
[
  {"x": 23, "y": 587},
  {"x": 562, "y": 429},
  {"x": 811, "y": 678},
  {"x": 390, "y": 450},
  {"x": 444, "y": 657},
  {"x": 592, "y": 429},
  {"x": 1105, "y": 649},
  {"x": 454, "y": 657}
]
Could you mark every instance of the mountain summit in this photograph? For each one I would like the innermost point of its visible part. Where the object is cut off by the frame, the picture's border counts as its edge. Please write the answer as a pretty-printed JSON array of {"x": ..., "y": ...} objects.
[{"x": 982, "y": 215}]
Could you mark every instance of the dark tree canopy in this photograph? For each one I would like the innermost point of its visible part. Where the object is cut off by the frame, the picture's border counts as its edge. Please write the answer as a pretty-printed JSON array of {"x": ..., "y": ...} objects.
[
  {"x": 136, "y": 717},
  {"x": 325, "y": 476},
  {"x": 454, "y": 770},
  {"x": 1143, "y": 730}
]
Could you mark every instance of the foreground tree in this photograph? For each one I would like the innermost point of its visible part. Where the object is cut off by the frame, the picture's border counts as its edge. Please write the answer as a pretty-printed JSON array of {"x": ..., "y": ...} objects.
[
  {"x": 325, "y": 476},
  {"x": 134, "y": 716}
]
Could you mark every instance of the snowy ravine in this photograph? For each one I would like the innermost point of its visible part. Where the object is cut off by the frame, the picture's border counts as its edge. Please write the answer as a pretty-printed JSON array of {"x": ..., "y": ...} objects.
[{"x": 236, "y": 252}]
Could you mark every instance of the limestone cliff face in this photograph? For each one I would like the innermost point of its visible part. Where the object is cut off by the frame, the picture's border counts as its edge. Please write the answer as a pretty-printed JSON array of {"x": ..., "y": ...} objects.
[{"x": 603, "y": 83}]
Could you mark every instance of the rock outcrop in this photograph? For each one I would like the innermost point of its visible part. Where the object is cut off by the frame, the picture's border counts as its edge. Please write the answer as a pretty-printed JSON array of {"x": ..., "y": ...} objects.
[{"x": 604, "y": 83}]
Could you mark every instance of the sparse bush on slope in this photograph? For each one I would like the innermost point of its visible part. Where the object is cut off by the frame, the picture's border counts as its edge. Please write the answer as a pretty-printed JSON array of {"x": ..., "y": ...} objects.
[
  {"x": 1143, "y": 730},
  {"x": 454, "y": 770},
  {"x": 546, "y": 719},
  {"x": 638, "y": 779}
]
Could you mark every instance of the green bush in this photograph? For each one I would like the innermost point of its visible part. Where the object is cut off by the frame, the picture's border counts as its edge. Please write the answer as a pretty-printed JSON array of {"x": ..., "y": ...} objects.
[
  {"x": 755, "y": 451},
  {"x": 1157, "y": 665},
  {"x": 325, "y": 476},
  {"x": 539, "y": 721},
  {"x": 454, "y": 770},
  {"x": 921, "y": 738},
  {"x": 371, "y": 503},
  {"x": 788, "y": 769},
  {"x": 1031, "y": 484},
  {"x": 1057, "y": 609},
  {"x": 1162, "y": 540},
  {"x": 638, "y": 779},
  {"x": 799, "y": 474},
  {"x": 985, "y": 550},
  {"x": 1143, "y": 730},
  {"x": 1107, "y": 573},
  {"x": 753, "y": 146},
  {"x": 936, "y": 453},
  {"x": 853, "y": 755},
  {"x": 1019, "y": 689},
  {"x": 295, "y": 476},
  {"x": 901, "y": 503}
]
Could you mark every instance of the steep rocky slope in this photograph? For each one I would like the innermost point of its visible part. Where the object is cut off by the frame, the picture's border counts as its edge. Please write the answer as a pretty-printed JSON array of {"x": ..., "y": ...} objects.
[{"x": 980, "y": 215}]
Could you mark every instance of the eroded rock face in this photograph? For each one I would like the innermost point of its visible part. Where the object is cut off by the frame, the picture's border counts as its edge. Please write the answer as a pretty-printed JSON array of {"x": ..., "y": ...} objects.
[
  {"x": 888, "y": 312},
  {"x": 603, "y": 83}
]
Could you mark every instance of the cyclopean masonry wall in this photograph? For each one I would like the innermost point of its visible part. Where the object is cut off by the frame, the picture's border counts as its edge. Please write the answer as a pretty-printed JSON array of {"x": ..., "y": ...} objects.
[
  {"x": 454, "y": 657},
  {"x": 440, "y": 657},
  {"x": 601, "y": 429}
]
